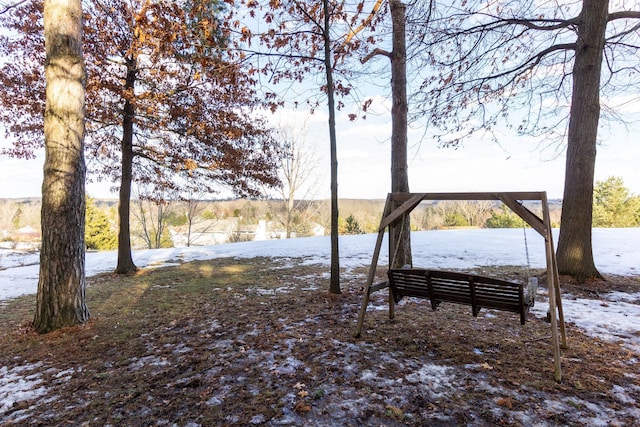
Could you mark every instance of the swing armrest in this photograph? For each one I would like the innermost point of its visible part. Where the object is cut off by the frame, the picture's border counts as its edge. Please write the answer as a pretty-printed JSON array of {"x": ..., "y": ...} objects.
[{"x": 378, "y": 286}]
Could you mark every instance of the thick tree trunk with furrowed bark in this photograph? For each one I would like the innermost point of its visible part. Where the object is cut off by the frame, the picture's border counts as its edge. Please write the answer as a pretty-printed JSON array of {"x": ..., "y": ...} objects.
[
  {"x": 575, "y": 254},
  {"x": 61, "y": 283}
]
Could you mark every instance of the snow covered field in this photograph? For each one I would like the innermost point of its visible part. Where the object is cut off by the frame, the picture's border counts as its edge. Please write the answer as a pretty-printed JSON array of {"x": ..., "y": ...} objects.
[{"x": 616, "y": 251}]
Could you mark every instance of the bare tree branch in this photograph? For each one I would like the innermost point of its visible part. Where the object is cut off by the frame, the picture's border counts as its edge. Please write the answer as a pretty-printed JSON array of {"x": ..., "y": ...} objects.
[
  {"x": 7, "y": 7},
  {"x": 374, "y": 52},
  {"x": 624, "y": 14}
]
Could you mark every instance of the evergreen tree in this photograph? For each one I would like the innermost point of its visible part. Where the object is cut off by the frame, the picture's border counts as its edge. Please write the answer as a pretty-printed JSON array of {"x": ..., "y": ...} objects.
[
  {"x": 351, "y": 226},
  {"x": 99, "y": 234},
  {"x": 455, "y": 219},
  {"x": 614, "y": 205},
  {"x": 504, "y": 219}
]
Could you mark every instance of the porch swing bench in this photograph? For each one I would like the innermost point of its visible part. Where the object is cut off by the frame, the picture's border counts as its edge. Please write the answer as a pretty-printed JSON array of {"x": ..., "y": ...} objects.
[
  {"x": 479, "y": 292},
  {"x": 463, "y": 288}
]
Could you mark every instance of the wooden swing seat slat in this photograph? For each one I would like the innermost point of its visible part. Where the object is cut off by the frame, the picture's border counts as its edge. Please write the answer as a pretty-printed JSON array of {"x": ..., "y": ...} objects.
[{"x": 460, "y": 288}]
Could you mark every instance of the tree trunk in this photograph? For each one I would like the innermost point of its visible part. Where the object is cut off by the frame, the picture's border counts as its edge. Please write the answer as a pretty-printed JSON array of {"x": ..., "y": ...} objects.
[
  {"x": 334, "y": 286},
  {"x": 125, "y": 260},
  {"x": 61, "y": 283},
  {"x": 290, "y": 205},
  {"x": 575, "y": 254},
  {"x": 400, "y": 241},
  {"x": 191, "y": 213}
]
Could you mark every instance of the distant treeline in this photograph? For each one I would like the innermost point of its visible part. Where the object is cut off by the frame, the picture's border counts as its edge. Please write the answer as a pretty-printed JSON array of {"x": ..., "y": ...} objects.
[{"x": 614, "y": 206}]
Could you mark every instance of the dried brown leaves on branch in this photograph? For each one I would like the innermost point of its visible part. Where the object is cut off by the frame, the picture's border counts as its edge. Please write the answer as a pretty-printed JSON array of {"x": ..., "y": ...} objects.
[{"x": 163, "y": 69}]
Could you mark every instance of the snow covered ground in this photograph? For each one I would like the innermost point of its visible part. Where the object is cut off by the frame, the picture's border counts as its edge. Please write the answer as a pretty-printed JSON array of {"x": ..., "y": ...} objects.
[{"x": 616, "y": 251}]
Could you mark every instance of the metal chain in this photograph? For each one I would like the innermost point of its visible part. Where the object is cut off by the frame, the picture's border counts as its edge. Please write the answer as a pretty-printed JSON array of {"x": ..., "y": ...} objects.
[{"x": 526, "y": 246}]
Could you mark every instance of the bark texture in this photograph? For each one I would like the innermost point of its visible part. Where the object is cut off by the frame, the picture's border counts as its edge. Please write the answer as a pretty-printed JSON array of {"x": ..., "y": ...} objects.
[
  {"x": 575, "y": 253},
  {"x": 61, "y": 283},
  {"x": 401, "y": 239},
  {"x": 125, "y": 260}
]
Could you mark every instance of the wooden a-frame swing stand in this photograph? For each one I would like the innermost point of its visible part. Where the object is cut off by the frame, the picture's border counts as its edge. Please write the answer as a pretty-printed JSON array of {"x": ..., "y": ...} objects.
[{"x": 399, "y": 205}]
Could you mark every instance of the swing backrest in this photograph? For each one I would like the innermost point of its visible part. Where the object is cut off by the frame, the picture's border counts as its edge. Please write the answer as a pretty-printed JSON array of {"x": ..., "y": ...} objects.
[{"x": 460, "y": 288}]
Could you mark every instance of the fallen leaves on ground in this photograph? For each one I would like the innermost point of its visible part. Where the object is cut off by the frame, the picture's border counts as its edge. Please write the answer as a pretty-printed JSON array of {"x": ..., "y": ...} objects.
[{"x": 262, "y": 342}]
